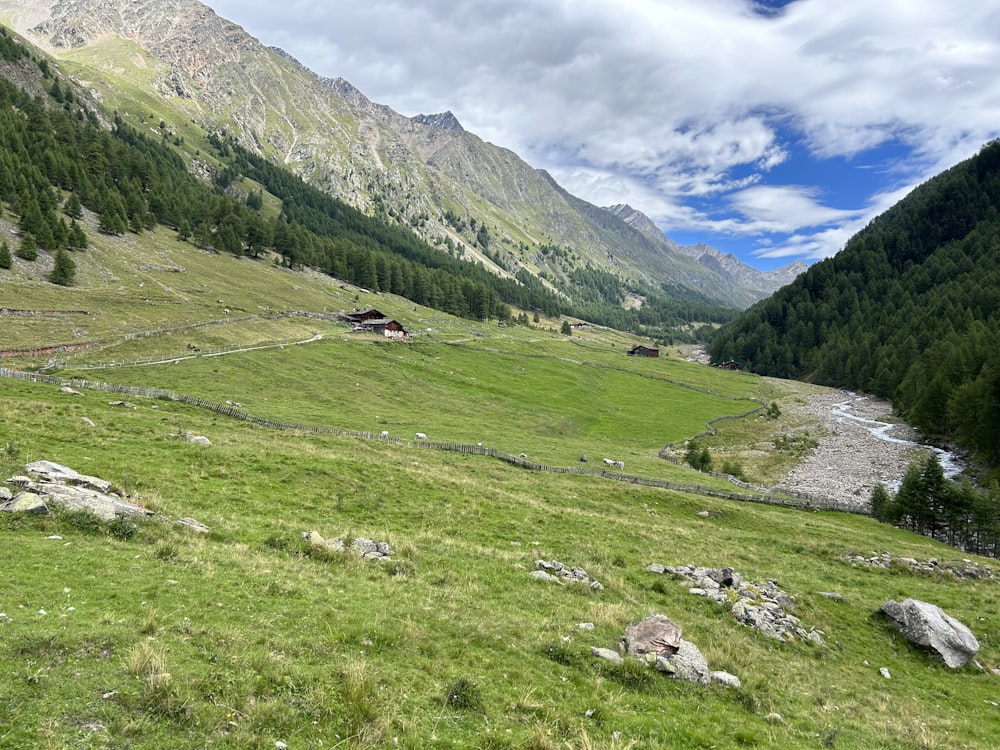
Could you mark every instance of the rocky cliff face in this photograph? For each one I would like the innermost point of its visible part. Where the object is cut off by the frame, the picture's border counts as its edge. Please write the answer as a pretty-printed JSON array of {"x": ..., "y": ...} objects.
[
  {"x": 746, "y": 282},
  {"x": 426, "y": 172}
]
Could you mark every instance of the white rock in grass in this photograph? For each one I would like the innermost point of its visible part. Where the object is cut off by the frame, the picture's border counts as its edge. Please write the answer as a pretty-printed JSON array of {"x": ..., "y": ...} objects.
[{"x": 724, "y": 678}]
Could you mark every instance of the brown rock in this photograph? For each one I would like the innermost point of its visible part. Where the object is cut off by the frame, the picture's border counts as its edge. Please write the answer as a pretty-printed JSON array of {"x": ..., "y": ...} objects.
[{"x": 657, "y": 635}]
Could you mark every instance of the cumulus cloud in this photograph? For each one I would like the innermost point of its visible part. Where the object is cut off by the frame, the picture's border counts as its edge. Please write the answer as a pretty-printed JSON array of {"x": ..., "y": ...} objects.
[{"x": 673, "y": 104}]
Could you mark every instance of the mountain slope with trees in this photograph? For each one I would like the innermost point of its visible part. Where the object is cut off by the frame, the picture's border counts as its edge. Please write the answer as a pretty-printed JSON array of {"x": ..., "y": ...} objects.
[
  {"x": 908, "y": 310},
  {"x": 60, "y": 154},
  {"x": 425, "y": 174}
]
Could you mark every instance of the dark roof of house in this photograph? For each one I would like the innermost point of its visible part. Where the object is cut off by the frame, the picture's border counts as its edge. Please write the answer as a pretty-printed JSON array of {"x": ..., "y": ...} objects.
[{"x": 383, "y": 322}]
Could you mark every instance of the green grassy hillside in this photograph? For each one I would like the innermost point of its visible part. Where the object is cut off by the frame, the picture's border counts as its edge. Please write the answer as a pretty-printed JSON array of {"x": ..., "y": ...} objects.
[
  {"x": 264, "y": 643},
  {"x": 243, "y": 637}
]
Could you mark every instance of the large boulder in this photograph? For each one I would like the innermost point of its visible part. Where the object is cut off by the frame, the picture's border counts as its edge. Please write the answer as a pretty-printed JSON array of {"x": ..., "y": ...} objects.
[
  {"x": 50, "y": 471},
  {"x": 657, "y": 635},
  {"x": 49, "y": 484},
  {"x": 928, "y": 626},
  {"x": 686, "y": 664}
]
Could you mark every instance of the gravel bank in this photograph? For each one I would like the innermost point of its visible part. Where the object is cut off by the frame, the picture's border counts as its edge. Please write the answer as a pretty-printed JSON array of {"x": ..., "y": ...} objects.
[{"x": 850, "y": 461}]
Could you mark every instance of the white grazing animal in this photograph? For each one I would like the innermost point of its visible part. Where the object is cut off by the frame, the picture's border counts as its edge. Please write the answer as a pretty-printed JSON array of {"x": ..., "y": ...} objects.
[
  {"x": 421, "y": 436},
  {"x": 385, "y": 434}
]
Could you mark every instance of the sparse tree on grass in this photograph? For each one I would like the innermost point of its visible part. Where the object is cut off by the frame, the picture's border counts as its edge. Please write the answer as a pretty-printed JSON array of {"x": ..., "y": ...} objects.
[
  {"x": 5, "y": 260},
  {"x": 64, "y": 271},
  {"x": 77, "y": 237}
]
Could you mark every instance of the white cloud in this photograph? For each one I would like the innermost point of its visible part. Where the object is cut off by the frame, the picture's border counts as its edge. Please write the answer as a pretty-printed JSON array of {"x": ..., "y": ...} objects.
[
  {"x": 785, "y": 208},
  {"x": 672, "y": 104}
]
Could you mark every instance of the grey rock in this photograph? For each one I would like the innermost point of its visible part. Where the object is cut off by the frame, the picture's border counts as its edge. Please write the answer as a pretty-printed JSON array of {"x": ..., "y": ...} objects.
[
  {"x": 567, "y": 573},
  {"x": 5, "y": 494},
  {"x": 928, "y": 626},
  {"x": 607, "y": 653},
  {"x": 49, "y": 471},
  {"x": 59, "y": 485},
  {"x": 541, "y": 575},
  {"x": 763, "y": 606},
  {"x": 687, "y": 664},
  {"x": 832, "y": 595},
  {"x": 104, "y": 506},
  {"x": 724, "y": 577},
  {"x": 87, "y": 421},
  {"x": 192, "y": 524},
  {"x": 724, "y": 678},
  {"x": 655, "y": 568},
  {"x": 25, "y": 502},
  {"x": 749, "y": 614},
  {"x": 815, "y": 636},
  {"x": 884, "y": 672},
  {"x": 367, "y": 549}
]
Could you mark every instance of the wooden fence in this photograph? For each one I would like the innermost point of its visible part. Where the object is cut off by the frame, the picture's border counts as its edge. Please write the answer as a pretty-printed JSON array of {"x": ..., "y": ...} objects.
[{"x": 770, "y": 497}]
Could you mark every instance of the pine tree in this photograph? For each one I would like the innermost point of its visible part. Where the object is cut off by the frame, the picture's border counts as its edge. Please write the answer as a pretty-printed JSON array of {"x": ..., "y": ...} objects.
[
  {"x": 64, "y": 271},
  {"x": 5, "y": 260},
  {"x": 882, "y": 506},
  {"x": 77, "y": 237},
  {"x": 28, "y": 249},
  {"x": 72, "y": 207}
]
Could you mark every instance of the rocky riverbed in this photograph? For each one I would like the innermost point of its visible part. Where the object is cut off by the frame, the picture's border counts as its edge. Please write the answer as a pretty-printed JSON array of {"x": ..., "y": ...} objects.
[{"x": 850, "y": 460}]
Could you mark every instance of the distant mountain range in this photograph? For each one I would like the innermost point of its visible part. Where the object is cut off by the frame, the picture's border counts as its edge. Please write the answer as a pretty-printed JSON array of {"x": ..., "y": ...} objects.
[{"x": 179, "y": 62}]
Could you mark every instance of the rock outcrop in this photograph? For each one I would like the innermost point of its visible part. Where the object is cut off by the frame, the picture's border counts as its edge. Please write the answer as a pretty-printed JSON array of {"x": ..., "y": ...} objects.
[
  {"x": 554, "y": 571},
  {"x": 963, "y": 569},
  {"x": 929, "y": 627},
  {"x": 367, "y": 549},
  {"x": 763, "y": 606},
  {"x": 47, "y": 484},
  {"x": 656, "y": 641}
]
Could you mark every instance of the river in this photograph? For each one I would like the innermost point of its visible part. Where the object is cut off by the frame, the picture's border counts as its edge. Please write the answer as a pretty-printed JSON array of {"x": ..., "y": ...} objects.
[{"x": 881, "y": 430}]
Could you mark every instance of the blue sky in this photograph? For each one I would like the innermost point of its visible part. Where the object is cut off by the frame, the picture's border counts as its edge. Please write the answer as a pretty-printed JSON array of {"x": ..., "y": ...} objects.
[{"x": 770, "y": 129}]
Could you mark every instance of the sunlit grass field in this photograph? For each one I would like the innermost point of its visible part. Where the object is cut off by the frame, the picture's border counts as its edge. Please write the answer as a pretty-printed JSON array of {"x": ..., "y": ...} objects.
[
  {"x": 264, "y": 643},
  {"x": 244, "y": 637}
]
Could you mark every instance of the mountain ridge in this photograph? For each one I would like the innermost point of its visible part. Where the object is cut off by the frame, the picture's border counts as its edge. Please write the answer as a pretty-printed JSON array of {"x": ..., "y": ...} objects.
[{"x": 426, "y": 172}]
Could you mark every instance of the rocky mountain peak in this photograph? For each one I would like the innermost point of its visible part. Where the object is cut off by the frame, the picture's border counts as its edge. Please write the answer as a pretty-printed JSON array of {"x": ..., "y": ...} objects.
[
  {"x": 641, "y": 223},
  {"x": 210, "y": 71},
  {"x": 726, "y": 265},
  {"x": 442, "y": 121}
]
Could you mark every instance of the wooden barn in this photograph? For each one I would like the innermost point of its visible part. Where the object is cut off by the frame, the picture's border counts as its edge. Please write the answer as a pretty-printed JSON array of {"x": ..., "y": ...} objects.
[
  {"x": 391, "y": 329},
  {"x": 360, "y": 317},
  {"x": 731, "y": 365},
  {"x": 643, "y": 351}
]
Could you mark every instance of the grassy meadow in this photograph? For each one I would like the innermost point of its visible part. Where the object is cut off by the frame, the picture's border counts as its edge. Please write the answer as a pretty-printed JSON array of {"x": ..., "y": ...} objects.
[{"x": 154, "y": 636}]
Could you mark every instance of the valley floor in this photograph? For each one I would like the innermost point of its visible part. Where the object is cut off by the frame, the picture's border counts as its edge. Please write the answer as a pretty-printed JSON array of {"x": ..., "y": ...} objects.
[{"x": 849, "y": 461}]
